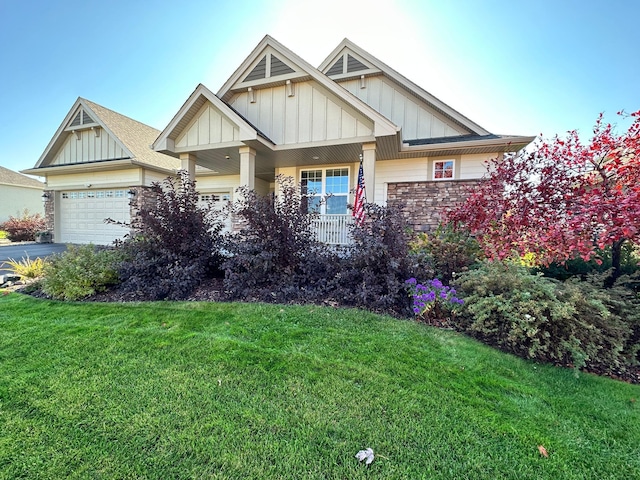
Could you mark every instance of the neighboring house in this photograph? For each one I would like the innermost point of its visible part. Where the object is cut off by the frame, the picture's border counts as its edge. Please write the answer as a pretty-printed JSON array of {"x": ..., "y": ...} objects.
[
  {"x": 277, "y": 114},
  {"x": 19, "y": 193}
]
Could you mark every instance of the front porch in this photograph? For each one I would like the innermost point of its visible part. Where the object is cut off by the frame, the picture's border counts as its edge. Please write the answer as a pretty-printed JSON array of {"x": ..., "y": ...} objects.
[{"x": 333, "y": 229}]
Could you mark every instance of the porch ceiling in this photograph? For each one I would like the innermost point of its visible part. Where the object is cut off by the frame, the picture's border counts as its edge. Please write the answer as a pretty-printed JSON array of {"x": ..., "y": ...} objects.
[{"x": 267, "y": 160}]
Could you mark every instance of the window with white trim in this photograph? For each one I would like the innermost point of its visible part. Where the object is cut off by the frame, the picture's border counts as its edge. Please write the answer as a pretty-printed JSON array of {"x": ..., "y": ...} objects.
[
  {"x": 443, "y": 170},
  {"x": 326, "y": 190}
]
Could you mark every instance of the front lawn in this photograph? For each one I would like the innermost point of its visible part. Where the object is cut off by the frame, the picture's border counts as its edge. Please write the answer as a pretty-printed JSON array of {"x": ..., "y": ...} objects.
[{"x": 210, "y": 390}]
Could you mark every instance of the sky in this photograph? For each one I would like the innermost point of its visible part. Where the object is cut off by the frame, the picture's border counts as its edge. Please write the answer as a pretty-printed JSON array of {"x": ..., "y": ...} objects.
[{"x": 513, "y": 67}]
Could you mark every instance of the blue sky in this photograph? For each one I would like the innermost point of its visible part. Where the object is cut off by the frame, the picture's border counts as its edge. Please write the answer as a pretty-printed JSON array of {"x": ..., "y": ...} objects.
[{"x": 513, "y": 67}]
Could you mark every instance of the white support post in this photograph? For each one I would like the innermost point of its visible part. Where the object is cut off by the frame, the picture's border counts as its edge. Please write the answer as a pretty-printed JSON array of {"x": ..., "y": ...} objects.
[
  {"x": 247, "y": 167},
  {"x": 369, "y": 170},
  {"x": 189, "y": 164}
]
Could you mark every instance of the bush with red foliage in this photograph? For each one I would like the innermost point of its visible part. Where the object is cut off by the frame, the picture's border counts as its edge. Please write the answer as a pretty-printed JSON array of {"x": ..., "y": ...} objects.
[{"x": 23, "y": 228}]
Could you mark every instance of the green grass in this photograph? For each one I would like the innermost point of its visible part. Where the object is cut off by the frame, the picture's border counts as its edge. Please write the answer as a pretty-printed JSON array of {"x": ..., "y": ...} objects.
[{"x": 196, "y": 390}]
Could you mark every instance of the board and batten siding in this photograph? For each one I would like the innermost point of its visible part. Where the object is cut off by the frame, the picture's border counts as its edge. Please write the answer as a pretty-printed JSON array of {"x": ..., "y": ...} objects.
[
  {"x": 415, "y": 118},
  {"x": 312, "y": 114},
  {"x": 88, "y": 148},
  {"x": 209, "y": 127}
]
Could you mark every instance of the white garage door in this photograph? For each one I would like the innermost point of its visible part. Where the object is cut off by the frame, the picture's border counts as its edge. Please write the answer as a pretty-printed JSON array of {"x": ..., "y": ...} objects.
[
  {"x": 217, "y": 201},
  {"x": 82, "y": 215}
]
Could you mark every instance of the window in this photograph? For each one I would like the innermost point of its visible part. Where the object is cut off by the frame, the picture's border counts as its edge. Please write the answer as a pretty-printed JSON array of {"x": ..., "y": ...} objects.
[
  {"x": 330, "y": 185},
  {"x": 443, "y": 170}
]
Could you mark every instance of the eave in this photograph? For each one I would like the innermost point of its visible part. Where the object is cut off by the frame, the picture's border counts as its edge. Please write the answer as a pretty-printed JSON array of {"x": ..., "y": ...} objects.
[{"x": 104, "y": 165}]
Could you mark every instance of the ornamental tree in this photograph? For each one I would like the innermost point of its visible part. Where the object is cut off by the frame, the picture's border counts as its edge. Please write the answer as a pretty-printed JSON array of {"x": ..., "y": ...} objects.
[{"x": 563, "y": 199}]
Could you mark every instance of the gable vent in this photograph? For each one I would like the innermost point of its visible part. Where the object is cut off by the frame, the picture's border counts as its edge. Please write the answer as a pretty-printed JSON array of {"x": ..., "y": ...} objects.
[
  {"x": 86, "y": 118},
  {"x": 336, "y": 69},
  {"x": 354, "y": 65},
  {"x": 77, "y": 121},
  {"x": 259, "y": 71},
  {"x": 278, "y": 67}
]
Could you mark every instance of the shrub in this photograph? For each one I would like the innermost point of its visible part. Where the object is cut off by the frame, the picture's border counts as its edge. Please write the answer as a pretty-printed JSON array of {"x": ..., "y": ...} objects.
[
  {"x": 3, "y": 234},
  {"x": 176, "y": 246},
  {"x": 24, "y": 228},
  {"x": 79, "y": 272},
  {"x": 275, "y": 255},
  {"x": 375, "y": 267},
  {"x": 577, "y": 267},
  {"x": 433, "y": 301},
  {"x": 26, "y": 268},
  {"x": 544, "y": 319},
  {"x": 444, "y": 252}
]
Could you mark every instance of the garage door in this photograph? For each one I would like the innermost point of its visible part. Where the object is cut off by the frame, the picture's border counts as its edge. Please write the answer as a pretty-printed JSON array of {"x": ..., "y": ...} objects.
[
  {"x": 82, "y": 215},
  {"x": 216, "y": 200}
]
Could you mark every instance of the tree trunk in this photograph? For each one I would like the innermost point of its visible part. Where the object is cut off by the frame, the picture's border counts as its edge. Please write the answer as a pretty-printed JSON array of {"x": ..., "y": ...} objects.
[{"x": 616, "y": 257}]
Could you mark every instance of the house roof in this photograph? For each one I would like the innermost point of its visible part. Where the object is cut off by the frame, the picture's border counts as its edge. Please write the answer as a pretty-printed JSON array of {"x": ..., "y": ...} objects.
[
  {"x": 375, "y": 66},
  {"x": 9, "y": 177},
  {"x": 134, "y": 137},
  {"x": 166, "y": 139},
  {"x": 303, "y": 69}
]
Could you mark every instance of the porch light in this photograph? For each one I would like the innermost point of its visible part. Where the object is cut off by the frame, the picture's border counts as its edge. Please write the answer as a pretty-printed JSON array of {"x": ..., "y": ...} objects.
[
  {"x": 46, "y": 196},
  {"x": 131, "y": 193}
]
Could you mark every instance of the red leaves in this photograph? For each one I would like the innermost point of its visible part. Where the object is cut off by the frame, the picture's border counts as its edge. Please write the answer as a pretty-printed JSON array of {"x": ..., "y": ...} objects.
[{"x": 561, "y": 200}]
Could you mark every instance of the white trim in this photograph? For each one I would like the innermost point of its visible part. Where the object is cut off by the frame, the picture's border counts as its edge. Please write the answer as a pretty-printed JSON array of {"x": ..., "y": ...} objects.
[{"x": 453, "y": 169}]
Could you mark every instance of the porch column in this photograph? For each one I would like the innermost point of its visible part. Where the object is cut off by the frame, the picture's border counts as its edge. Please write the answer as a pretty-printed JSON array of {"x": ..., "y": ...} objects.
[
  {"x": 188, "y": 161},
  {"x": 369, "y": 170},
  {"x": 247, "y": 167}
]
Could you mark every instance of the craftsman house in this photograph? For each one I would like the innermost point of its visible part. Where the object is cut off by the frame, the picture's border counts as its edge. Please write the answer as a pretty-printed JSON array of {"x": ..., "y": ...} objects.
[{"x": 276, "y": 114}]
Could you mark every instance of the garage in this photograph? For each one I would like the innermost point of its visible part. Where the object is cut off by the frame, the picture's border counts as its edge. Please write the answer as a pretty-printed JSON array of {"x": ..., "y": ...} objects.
[{"x": 82, "y": 214}]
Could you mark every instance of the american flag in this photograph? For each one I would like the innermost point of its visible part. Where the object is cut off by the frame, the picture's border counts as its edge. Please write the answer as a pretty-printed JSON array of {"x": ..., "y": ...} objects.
[{"x": 358, "y": 203}]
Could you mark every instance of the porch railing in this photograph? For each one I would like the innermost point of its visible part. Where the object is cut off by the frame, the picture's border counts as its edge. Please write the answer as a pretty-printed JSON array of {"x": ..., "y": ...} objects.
[{"x": 333, "y": 229}]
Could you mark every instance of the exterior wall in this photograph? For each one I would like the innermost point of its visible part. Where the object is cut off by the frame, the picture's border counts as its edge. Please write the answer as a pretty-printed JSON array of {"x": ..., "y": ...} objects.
[
  {"x": 424, "y": 203},
  {"x": 415, "y": 117},
  {"x": 228, "y": 183},
  {"x": 312, "y": 114},
  {"x": 15, "y": 199},
  {"x": 100, "y": 179},
  {"x": 49, "y": 212},
  {"x": 144, "y": 197},
  {"x": 209, "y": 127},
  {"x": 466, "y": 167},
  {"x": 88, "y": 148}
]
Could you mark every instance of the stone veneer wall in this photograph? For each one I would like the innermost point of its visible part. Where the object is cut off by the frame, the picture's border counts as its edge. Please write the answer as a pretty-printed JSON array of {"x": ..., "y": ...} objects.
[
  {"x": 144, "y": 197},
  {"x": 425, "y": 202},
  {"x": 50, "y": 210}
]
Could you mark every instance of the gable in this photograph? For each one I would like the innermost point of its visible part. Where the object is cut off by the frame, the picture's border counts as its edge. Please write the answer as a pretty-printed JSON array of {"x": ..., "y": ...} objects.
[
  {"x": 269, "y": 68},
  {"x": 304, "y": 113},
  {"x": 209, "y": 127},
  {"x": 416, "y": 118},
  {"x": 348, "y": 64},
  {"x": 83, "y": 139}
]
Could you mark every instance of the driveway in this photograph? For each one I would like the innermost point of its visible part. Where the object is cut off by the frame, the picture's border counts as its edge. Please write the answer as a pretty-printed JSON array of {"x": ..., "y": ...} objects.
[{"x": 19, "y": 251}]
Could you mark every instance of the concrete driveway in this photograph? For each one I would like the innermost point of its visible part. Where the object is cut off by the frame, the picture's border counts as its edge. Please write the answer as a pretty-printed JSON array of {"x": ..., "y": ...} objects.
[{"x": 18, "y": 251}]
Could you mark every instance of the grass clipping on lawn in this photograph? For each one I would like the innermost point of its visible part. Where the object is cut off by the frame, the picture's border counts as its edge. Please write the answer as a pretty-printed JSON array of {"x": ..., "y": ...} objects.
[{"x": 210, "y": 390}]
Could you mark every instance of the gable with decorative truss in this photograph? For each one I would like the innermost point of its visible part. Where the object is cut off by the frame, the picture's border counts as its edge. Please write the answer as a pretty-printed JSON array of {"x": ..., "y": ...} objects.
[
  {"x": 270, "y": 68},
  {"x": 348, "y": 64},
  {"x": 86, "y": 141}
]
